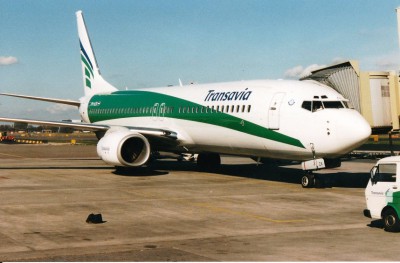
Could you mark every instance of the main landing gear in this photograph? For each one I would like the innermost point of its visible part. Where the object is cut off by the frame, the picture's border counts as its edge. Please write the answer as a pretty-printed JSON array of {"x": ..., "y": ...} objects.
[{"x": 208, "y": 161}]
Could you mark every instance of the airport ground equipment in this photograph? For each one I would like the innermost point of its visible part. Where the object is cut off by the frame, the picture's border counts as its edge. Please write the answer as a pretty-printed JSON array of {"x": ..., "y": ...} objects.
[
  {"x": 383, "y": 193},
  {"x": 4, "y": 138}
]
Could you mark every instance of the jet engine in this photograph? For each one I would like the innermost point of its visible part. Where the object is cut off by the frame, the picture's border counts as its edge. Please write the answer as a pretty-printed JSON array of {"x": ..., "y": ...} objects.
[{"x": 121, "y": 147}]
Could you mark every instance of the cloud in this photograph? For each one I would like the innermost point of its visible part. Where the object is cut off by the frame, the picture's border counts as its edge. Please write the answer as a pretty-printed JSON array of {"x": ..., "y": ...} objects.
[
  {"x": 294, "y": 72},
  {"x": 338, "y": 60},
  {"x": 388, "y": 62},
  {"x": 300, "y": 71},
  {"x": 5, "y": 61},
  {"x": 384, "y": 62},
  {"x": 60, "y": 108}
]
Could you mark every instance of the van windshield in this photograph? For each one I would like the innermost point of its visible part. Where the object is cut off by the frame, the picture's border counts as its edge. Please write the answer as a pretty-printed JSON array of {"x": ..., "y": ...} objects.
[{"x": 385, "y": 172}]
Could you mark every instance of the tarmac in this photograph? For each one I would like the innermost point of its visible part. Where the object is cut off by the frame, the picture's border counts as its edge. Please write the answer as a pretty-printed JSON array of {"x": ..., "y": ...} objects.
[{"x": 171, "y": 212}]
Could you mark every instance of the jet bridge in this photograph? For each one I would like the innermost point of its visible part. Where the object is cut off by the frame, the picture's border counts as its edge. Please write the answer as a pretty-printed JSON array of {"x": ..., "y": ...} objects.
[{"x": 374, "y": 94}]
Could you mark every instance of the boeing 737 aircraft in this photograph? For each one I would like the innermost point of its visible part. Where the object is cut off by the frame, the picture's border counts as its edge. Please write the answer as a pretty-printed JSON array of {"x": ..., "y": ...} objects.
[{"x": 262, "y": 119}]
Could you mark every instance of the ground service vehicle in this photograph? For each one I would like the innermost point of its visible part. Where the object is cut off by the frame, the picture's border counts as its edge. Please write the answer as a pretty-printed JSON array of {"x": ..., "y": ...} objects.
[
  {"x": 383, "y": 193},
  {"x": 6, "y": 138}
]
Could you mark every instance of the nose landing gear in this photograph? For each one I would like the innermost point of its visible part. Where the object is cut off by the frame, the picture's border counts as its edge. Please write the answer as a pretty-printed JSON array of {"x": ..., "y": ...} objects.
[{"x": 308, "y": 180}]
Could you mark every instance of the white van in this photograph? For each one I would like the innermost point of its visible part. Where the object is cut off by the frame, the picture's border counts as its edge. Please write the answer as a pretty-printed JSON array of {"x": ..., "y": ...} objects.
[{"x": 383, "y": 193}]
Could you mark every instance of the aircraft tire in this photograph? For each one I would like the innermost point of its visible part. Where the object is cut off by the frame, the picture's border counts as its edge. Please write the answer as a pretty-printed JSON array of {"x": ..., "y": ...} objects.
[
  {"x": 391, "y": 220},
  {"x": 308, "y": 180}
]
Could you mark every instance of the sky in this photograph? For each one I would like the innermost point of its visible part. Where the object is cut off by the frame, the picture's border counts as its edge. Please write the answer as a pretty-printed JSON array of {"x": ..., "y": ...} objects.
[{"x": 152, "y": 43}]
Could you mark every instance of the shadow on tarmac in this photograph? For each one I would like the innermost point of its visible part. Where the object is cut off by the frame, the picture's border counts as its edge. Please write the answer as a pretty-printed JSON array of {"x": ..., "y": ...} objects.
[
  {"x": 376, "y": 224},
  {"x": 286, "y": 174},
  {"x": 55, "y": 168}
]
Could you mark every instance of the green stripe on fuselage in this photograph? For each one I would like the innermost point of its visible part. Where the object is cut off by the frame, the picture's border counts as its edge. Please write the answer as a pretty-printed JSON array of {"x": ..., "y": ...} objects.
[{"x": 125, "y": 104}]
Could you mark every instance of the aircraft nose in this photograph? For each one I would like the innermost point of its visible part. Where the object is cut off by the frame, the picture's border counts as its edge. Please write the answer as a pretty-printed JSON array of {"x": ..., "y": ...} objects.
[
  {"x": 360, "y": 131},
  {"x": 354, "y": 131}
]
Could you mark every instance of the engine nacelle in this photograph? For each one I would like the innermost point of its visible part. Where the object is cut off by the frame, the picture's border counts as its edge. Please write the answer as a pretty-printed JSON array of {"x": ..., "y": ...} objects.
[{"x": 122, "y": 147}]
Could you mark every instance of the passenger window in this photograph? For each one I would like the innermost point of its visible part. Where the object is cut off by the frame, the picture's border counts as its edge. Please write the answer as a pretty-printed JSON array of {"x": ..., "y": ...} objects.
[{"x": 385, "y": 173}]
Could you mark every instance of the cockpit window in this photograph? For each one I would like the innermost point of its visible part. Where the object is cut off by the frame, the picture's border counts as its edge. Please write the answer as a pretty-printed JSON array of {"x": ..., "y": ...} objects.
[
  {"x": 307, "y": 105},
  {"x": 333, "y": 105},
  {"x": 317, "y": 105}
]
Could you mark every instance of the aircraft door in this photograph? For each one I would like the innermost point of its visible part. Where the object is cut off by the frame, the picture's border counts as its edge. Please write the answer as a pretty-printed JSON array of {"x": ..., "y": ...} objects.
[
  {"x": 274, "y": 111},
  {"x": 158, "y": 111}
]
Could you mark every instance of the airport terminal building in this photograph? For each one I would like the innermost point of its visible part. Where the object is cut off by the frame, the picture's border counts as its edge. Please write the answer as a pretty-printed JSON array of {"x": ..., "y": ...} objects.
[{"x": 374, "y": 94}]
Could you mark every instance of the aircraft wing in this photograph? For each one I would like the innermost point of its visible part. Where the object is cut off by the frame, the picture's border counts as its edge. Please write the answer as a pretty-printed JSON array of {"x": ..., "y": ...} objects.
[
  {"x": 61, "y": 101},
  {"x": 160, "y": 133}
]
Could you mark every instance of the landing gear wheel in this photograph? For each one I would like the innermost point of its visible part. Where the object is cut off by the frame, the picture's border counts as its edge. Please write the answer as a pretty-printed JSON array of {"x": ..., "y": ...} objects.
[
  {"x": 208, "y": 161},
  {"x": 391, "y": 220},
  {"x": 308, "y": 180}
]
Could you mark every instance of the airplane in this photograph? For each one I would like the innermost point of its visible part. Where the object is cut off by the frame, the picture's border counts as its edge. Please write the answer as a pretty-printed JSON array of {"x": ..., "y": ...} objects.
[{"x": 303, "y": 121}]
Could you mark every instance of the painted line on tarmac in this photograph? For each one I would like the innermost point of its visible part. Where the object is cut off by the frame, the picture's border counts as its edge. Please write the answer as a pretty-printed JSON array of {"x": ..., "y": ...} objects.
[
  {"x": 224, "y": 210},
  {"x": 245, "y": 214},
  {"x": 11, "y": 155}
]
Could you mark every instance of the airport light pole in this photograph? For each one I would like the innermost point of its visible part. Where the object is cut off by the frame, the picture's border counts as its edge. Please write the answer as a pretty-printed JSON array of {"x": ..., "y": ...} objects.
[{"x": 398, "y": 23}]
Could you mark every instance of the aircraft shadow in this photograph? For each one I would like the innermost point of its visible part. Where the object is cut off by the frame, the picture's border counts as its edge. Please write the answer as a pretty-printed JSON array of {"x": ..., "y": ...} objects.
[
  {"x": 286, "y": 174},
  {"x": 138, "y": 171},
  {"x": 55, "y": 168},
  {"x": 294, "y": 175}
]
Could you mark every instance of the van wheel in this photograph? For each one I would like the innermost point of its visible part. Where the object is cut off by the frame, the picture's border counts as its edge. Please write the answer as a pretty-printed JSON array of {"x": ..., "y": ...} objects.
[{"x": 391, "y": 220}]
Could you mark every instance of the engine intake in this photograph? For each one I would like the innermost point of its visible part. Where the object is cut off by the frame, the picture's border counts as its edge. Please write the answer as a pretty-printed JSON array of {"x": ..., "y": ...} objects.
[{"x": 124, "y": 148}]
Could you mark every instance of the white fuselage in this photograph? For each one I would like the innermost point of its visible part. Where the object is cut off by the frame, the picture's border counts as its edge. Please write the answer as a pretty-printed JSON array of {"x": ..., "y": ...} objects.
[{"x": 262, "y": 118}]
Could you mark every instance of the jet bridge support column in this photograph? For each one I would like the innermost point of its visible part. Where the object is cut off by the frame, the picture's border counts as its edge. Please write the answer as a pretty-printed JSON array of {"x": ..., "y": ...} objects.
[{"x": 393, "y": 99}]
